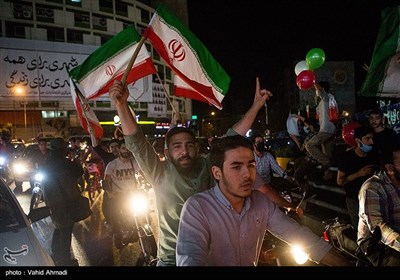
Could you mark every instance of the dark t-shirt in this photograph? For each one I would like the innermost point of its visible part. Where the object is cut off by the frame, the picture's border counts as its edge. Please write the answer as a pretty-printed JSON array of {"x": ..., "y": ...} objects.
[
  {"x": 350, "y": 163},
  {"x": 384, "y": 143}
]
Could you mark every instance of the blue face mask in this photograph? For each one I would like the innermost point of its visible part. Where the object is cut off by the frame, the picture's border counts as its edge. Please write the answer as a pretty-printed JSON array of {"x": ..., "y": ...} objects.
[
  {"x": 365, "y": 148},
  {"x": 306, "y": 129}
]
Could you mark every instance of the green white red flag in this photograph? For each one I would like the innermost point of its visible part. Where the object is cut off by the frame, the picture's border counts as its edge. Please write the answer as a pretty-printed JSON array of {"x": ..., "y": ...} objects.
[
  {"x": 109, "y": 62},
  {"x": 198, "y": 75},
  {"x": 86, "y": 115},
  {"x": 383, "y": 77}
]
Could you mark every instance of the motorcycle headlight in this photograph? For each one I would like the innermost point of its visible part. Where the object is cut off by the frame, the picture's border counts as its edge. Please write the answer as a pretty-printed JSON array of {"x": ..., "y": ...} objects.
[
  {"x": 2, "y": 160},
  {"x": 138, "y": 204},
  {"x": 39, "y": 177},
  {"x": 299, "y": 255}
]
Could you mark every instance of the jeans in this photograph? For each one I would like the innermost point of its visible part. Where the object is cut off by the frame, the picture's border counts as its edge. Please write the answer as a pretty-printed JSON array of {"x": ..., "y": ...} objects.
[{"x": 320, "y": 147}]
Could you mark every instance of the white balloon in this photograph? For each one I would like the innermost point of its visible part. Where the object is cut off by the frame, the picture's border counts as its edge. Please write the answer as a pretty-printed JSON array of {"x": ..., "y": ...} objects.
[{"x": 300, "y": 67}]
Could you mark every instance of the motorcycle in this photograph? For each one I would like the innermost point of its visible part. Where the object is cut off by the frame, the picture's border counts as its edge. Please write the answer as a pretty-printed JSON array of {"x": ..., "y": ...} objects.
[
  {"x": 37, "y": 191},
  {"x": 135, "y": 221},
  {"x": 343, "y": 237},
  {"x": 93, "y": 179},
  {"x": 277, "y": 252}
]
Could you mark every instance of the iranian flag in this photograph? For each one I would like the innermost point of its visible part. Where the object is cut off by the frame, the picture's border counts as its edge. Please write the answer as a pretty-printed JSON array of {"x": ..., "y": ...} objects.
[
  {"x": 198, "y": 75},
  {"x": 109, "y": 62},
  {"x": 383, "y": 77},
  {"x": 86, "y": 115}
]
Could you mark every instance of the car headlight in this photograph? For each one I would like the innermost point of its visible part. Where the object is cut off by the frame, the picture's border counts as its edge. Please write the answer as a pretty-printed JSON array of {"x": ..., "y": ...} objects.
[{"x": 20, "y": 168}]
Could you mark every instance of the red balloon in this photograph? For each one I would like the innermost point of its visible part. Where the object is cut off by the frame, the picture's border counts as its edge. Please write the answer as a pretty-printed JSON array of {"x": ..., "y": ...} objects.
[
  {"x": 306, "y": 79},
  {"x": 348, "y": 133}
]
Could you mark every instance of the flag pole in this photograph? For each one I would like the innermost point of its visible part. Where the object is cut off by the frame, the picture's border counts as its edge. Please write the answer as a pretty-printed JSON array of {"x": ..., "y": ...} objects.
[
  {"x": 166, "y": 93},
  {"x": 83, "y": 102},
  {"x": 133, "y": 58}
]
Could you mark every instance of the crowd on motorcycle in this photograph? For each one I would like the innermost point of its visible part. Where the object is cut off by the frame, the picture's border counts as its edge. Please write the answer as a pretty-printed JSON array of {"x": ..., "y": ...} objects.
[{"x": 215, "y": 209}]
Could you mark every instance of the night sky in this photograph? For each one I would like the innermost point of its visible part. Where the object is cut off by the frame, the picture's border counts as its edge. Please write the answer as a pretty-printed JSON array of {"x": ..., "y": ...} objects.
[{"x": 260, "y": 38}]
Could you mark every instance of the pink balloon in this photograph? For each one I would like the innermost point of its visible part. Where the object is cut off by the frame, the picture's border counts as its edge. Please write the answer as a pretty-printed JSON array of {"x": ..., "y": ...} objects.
[{"x": 306, "y": 79}]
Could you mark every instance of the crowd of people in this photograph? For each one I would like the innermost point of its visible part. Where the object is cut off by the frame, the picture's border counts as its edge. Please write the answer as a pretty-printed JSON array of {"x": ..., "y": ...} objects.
[{"x": 215, "y": 206}]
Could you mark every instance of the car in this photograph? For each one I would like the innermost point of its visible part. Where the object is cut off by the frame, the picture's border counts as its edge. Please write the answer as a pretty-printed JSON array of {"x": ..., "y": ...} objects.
[
  {"x": 18, "y": 242},
  {"x": 22, "y": 168}
]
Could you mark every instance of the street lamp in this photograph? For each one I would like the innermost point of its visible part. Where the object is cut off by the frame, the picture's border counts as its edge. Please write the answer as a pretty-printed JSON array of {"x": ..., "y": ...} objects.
[{"x": 20, "y": 91}]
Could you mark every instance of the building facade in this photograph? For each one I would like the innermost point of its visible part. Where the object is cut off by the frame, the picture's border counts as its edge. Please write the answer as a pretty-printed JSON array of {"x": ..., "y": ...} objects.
[{"x": 41, "y": 39}]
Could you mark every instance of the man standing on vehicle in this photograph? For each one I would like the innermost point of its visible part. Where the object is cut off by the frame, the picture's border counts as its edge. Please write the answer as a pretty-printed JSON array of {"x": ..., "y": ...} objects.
[{"x": 182, "y": 174}]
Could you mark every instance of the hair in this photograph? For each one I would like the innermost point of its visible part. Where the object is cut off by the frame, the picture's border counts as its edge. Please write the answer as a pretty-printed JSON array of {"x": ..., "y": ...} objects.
[
  {"x": 361, "y": 131},
  {"x": 376, "y": 111},
  {"x": 176, "y": 130},
  {"x": 224, "y": 144},
  {"x": 254, "y": 136},
  {"x": 114, "y": 140},
  {"x": 325, "y": 85},
  {"x": 42, "y": 140}
]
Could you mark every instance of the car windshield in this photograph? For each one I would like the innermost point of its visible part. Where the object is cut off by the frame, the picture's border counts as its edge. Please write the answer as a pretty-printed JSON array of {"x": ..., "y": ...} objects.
[
  {"x": 10, "y": 216},
  {"x": 30, "y": 150}
]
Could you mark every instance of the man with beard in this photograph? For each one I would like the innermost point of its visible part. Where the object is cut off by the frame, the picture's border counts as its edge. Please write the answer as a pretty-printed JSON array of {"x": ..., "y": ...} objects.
[
  {"x": 225, "y": 225},
  {"x": 119, "y": 180},
  {"x": 182, "y": 174},
  {"x": 380, "y": 211}
]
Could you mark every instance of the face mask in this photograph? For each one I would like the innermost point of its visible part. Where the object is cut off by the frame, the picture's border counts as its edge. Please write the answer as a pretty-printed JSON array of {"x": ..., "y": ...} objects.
[
  {"x": 306, "y": 129},
  {"x": 260, "y": 147},
  {"x": 365, "y": 148}
]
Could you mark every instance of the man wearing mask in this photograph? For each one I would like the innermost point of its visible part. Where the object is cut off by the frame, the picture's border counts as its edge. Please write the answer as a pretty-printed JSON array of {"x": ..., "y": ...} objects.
[
  {"x": 265, "y": 161},
  {"x": 356, "y": 166}
]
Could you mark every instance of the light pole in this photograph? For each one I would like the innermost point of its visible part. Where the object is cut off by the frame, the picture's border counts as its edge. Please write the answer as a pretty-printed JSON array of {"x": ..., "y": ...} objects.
[
  {"x": 25, "y": 117},
  {"x": 20, "y": 91}
]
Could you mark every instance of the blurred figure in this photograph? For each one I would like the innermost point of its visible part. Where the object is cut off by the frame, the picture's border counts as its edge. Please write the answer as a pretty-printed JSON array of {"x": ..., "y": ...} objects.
[
  {"x": 320, "y": 146},
  {"x": 60, "y": 186},
  {"x": 380, "y": 211},
  {"x": 385, "y": 139},
  {"x": 354, "y": 167}
]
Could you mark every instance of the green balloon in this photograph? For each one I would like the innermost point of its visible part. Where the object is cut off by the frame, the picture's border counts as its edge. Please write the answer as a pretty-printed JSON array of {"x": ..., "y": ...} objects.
[{"x": 315, "y": 58}]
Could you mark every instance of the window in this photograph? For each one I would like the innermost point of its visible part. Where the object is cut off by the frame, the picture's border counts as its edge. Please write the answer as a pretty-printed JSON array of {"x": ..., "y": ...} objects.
[
  {"x": 99, "y": 22},
  {"x": 15, "y": 29},
  {"x": 44, "y": 13},
  {"x": 55, "y": 34},
  {"x": 74, "y": 3},
  {"x": 82, "y": 19},
  {"x": 22, "y": 10},
  {"x": 121, "y": 8},
  {"x": 106, "y": 6},
  {"x": 144, "y": 15},
  {"x": 74, "y": 36}
]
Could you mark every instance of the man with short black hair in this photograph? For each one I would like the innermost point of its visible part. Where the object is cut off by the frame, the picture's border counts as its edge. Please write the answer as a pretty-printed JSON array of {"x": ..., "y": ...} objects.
[
  {"x": 225, "y": 225},
  {"x": 385, "y": 139}
]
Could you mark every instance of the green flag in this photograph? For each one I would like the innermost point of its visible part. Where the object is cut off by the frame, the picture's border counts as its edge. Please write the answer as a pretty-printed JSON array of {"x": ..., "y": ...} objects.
[{"x": 383, "y": 78}]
